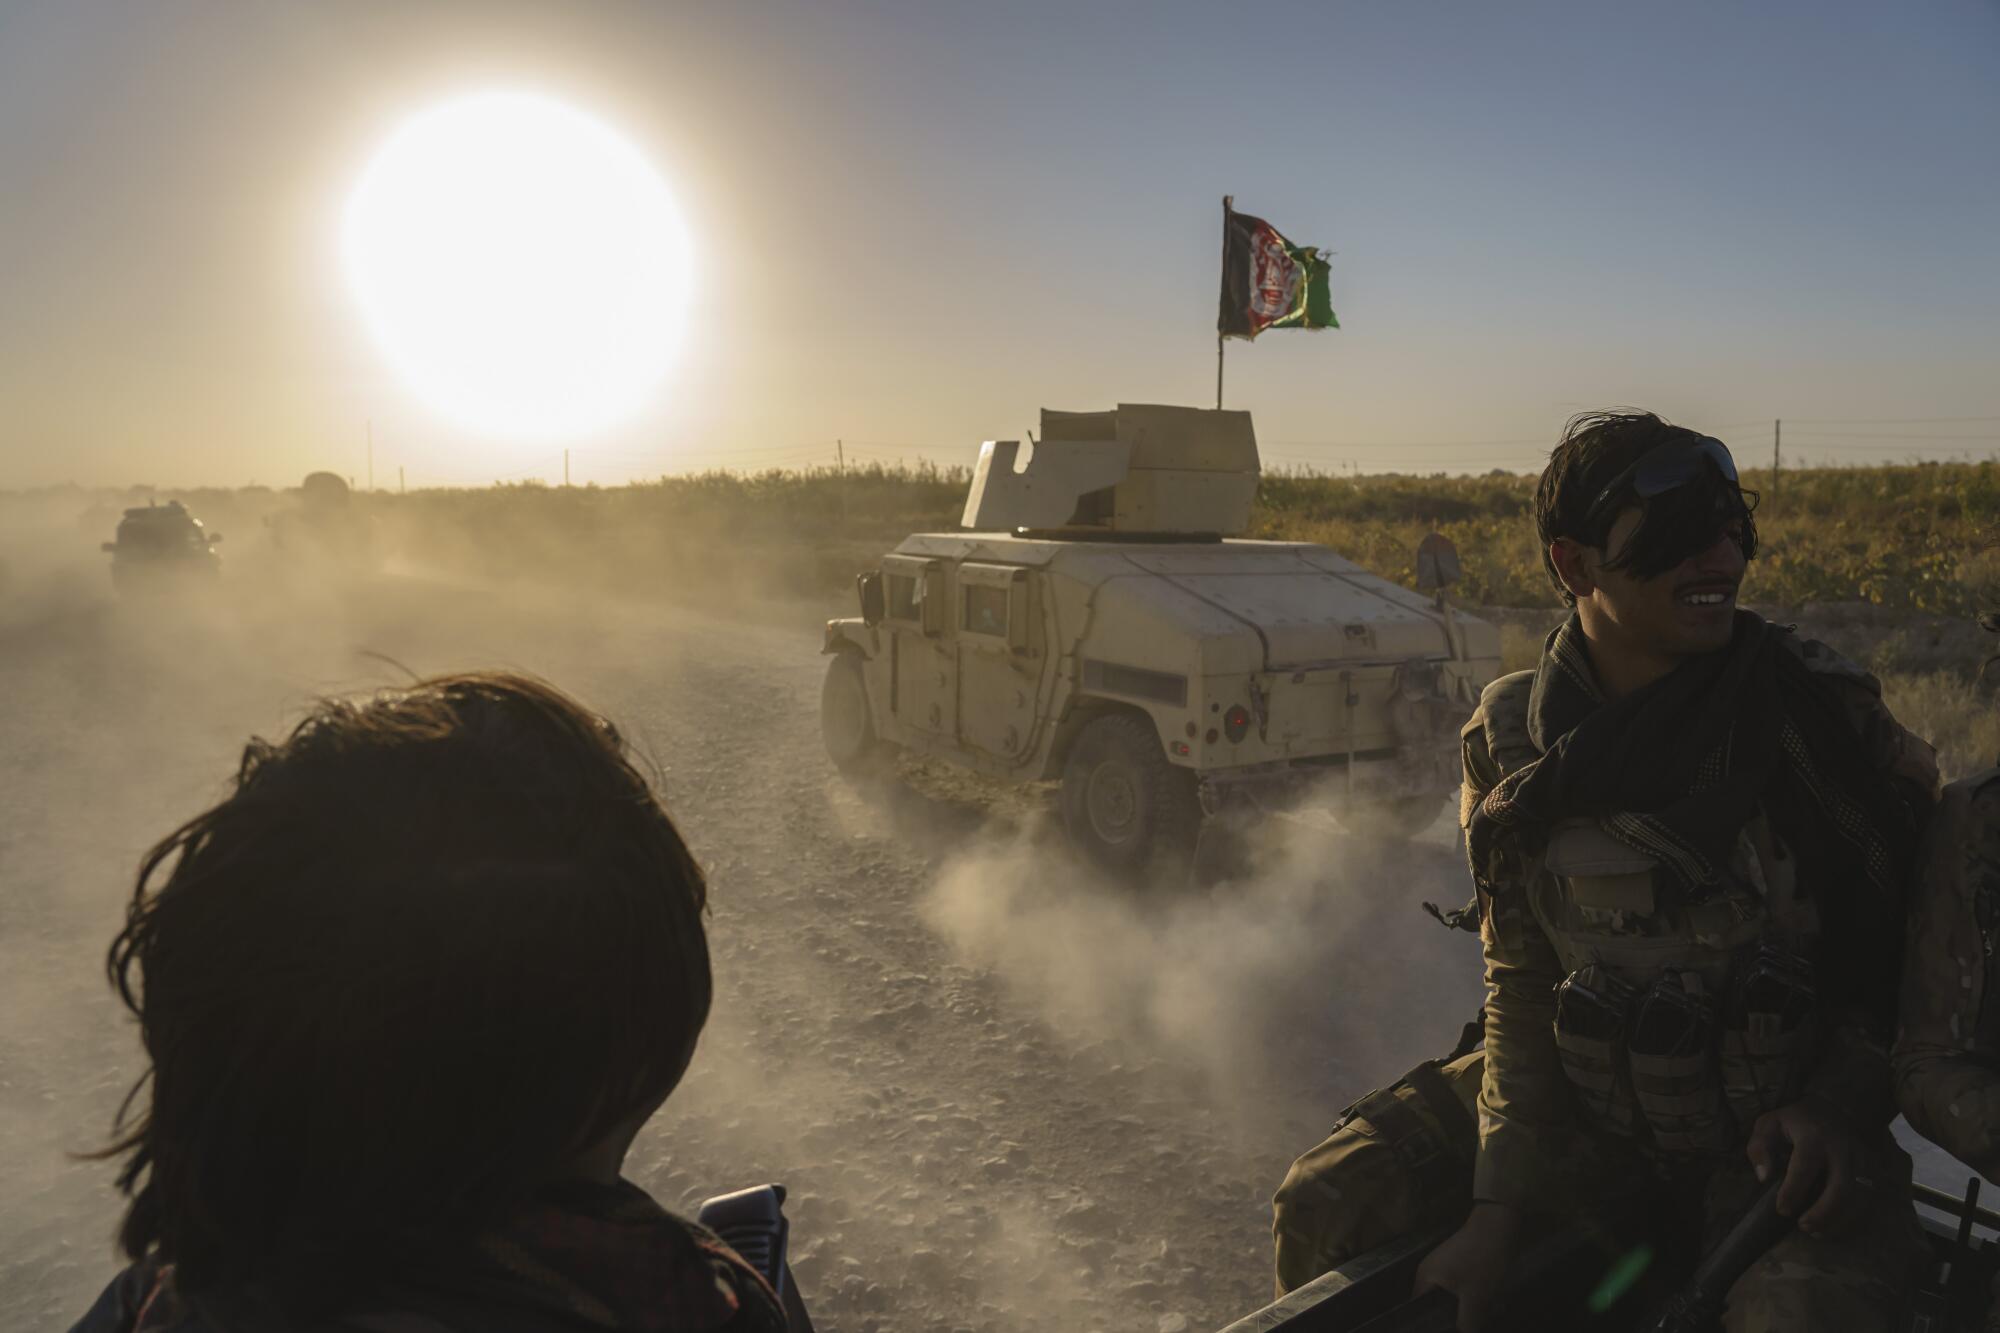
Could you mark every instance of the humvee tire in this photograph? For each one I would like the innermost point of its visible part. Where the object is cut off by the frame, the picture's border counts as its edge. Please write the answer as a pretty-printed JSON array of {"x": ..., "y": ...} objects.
[
  {"x": 1392, "y": 821},
  {"x": 844, "y": 720},
  {"x": 1122, "y": 802}
]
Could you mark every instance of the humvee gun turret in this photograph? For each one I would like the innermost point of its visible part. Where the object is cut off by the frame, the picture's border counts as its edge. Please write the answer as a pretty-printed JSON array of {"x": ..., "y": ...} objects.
[{"x": 1101, "y": 624}]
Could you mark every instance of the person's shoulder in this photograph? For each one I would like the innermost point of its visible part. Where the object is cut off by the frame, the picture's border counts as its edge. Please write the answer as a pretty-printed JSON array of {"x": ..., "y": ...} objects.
[
  {"x": 1497, "y": 739},
  {"x": 1824, "y": 660},
  {"x": 1888, "y": 744},
  {"x": 1971, "y": 806},
  {"x": 1977, "y": 790},
  {"x": 142, "y": 1296}
]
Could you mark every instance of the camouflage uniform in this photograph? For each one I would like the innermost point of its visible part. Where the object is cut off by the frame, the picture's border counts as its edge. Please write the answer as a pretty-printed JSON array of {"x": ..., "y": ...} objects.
[
  {"x": 1560, "y": 1128},
  {"x": 1948, "y": 1052},
  {"x": 1397, "y": 1163}
]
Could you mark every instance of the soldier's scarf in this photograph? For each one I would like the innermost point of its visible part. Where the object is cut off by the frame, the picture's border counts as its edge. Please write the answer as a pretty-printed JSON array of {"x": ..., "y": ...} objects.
[{"x": 1677, "y": 769}]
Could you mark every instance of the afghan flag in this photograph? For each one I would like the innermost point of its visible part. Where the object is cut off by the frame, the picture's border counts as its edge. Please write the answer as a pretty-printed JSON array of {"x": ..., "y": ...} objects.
[{"x": 1267, "y": 282}]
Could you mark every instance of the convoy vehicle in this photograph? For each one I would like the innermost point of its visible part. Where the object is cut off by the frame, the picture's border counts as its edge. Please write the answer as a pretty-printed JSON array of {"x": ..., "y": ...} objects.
[
  {"x": 325, "y": 531},
  {"x": 1101, "y": 623},
  {"x": 161, "y": 543}
]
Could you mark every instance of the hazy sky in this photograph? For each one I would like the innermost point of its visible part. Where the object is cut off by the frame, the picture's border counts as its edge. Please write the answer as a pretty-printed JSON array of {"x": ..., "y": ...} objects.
[{"x": 917, "y": 223}]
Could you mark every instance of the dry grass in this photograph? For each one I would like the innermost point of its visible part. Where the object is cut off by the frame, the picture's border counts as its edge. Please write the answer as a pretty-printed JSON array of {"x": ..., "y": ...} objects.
[
  {"x": 1885, "y": 563},
  {"x": 1958, "y": 716},
  {"x": 1904, "y": 538}
]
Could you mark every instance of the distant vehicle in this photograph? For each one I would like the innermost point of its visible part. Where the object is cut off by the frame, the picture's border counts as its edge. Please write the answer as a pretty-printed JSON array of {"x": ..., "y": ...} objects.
[
  {"x": 325, "y": 530},
  {"x": 161, "y": 543},
  {"x": 1097, "y": 626}
]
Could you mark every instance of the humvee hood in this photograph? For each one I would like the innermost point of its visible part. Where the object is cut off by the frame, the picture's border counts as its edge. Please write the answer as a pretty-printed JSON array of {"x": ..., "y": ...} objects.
[{"x": 1309, "y": 608}]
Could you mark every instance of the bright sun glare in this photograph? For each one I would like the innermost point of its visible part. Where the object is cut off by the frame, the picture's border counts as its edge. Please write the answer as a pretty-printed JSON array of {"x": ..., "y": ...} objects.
[{"x": 520, "y": 263}]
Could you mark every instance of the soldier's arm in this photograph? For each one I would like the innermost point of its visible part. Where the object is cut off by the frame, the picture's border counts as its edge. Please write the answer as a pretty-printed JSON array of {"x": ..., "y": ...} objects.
[
  {"x": 1526, "y": 1120},
  {"x": 1889, "y": 746},
  {"x": 1948, "y": 1093},
  {"x": 1854, "y": 1081}
]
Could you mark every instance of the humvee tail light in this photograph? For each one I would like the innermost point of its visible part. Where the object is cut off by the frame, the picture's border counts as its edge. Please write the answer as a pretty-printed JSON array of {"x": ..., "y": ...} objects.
[{"x": 1236, "y": 723}]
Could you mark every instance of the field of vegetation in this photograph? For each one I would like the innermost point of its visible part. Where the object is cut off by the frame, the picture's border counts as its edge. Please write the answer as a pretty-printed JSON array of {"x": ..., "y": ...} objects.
[
  {"x": 1887, "y": 563},
  {"x": 1900, "y": 538}
]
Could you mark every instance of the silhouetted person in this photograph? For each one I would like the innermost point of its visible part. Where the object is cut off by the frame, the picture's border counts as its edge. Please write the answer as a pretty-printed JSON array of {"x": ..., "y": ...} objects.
[{"x": 408, "y": 994}]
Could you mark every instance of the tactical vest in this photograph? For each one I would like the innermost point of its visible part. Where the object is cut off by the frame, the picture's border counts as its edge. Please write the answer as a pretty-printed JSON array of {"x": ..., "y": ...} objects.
[{"x": 1680, "y": 1019}]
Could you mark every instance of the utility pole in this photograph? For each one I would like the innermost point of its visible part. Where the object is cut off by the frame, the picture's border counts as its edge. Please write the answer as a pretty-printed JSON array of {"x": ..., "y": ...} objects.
[
  {"x": 399, "y": 479},
  {"x": 840, "y": 457},
  {"x": 565, "y": 469},
  {"x": 1777, "y": 442},
  {"x": 371, "y": 453}
]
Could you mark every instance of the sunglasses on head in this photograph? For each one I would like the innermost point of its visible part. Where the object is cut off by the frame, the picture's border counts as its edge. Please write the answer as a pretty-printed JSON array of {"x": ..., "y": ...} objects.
[{"x": 1667, "y": 467}]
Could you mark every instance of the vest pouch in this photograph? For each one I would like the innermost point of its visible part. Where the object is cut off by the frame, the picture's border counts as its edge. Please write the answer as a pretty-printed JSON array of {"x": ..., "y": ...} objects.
[
  {"x": 1593, "y": 1011},
  {"x": 1608, "y": 883},
  {"x": 1671, "y": 1055},
  {"x": 1768, "y": 1037}
]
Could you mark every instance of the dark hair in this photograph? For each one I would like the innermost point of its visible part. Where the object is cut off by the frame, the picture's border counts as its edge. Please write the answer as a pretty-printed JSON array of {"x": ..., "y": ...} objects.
[
  {"x": 431, "y": 945},
  {"x": 1595, "y": 448}
]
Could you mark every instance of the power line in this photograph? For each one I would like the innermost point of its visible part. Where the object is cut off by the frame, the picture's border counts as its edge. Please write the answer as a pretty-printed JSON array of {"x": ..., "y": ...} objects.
[
  {"x": 1886, "y": 421},
  {"x": 1884, "y": 435},
  {"x": 1873, "y": 449}
]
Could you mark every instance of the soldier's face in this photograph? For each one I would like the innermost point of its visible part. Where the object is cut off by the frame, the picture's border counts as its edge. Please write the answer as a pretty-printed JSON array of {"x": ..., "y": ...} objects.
[{"x": 1687, "y": 610}]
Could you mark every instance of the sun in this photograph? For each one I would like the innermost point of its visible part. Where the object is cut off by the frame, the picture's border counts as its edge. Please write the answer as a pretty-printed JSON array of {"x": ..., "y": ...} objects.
[{"x": 521, "y": 264}]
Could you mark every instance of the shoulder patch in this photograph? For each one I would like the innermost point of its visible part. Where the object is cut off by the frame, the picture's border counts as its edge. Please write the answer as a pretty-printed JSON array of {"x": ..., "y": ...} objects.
[{"x": 1503, "y": 719}]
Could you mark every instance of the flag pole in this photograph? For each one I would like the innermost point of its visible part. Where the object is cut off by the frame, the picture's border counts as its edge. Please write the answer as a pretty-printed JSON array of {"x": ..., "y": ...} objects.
[{"x": 1228, "y": 207}]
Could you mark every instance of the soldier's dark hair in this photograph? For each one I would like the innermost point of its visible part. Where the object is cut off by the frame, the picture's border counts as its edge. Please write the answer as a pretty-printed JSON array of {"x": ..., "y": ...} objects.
[
  {"x": 1595, "y": 448},
  {"x": 431, "y": 945}
]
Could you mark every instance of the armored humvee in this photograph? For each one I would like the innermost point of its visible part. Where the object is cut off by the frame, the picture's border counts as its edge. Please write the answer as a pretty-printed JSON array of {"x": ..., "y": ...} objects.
[
  {"x": 1099, "y": 623},
  {"x": 161, "y": 542}
]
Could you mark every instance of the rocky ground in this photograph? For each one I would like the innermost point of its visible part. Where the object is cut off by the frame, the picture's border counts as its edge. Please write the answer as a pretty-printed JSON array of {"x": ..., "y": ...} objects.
[{"x": 1003, "y": 1094}]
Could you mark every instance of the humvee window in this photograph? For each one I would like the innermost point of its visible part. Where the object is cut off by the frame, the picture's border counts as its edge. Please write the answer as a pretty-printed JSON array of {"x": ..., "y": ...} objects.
[
  {"x": 986, "y": 610},
  {"x": 902, "y": 597}
]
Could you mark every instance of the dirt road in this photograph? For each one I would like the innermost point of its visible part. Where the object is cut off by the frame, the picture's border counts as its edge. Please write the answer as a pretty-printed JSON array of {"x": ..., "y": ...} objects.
[{"x": 1004, "y": 1096}]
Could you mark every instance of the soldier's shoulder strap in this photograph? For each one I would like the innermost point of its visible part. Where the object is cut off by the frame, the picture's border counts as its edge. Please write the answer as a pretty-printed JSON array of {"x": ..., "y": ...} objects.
[{"x": 1497, "y": 739}]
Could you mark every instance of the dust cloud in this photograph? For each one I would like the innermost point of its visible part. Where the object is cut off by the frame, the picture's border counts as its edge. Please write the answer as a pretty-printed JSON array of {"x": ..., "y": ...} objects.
[
  {"x": 1003, "y": 1094},
  {"x": 1267, "y": 990}
]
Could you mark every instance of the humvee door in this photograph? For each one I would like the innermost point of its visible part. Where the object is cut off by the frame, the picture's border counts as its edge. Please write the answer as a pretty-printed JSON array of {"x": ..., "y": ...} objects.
[
  {"x": 923, "y": 687},
  {"x": 999, "y": 667}
]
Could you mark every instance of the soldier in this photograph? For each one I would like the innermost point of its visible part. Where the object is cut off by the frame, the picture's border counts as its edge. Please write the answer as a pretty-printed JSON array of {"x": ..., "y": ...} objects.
[
  {"x": 1948, "y": 1051},
  {"x": 1690, "y": 835}
]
